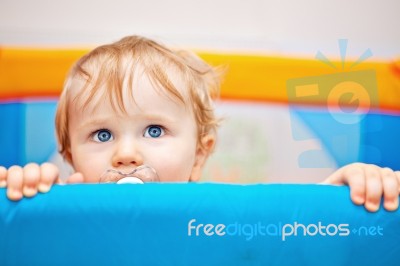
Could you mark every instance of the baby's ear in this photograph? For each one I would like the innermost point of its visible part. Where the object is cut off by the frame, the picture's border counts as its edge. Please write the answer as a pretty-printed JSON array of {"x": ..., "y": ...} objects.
[{"x": 202, "y": 153}]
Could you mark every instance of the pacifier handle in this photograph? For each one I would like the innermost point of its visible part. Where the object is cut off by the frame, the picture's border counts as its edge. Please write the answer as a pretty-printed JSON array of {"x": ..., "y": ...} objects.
[{"x": 130, "y": 180}]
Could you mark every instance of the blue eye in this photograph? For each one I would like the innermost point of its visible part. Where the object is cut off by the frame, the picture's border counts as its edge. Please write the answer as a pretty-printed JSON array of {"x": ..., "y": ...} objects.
[
  {"x": 154, "y": 132},
  {"x": 102, "y": 135}
]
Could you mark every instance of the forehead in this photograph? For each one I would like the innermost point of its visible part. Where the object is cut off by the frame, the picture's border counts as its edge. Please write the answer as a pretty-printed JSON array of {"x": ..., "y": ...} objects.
[
  {"x": 139, "y": 87},
  {"x": 124, "y": 80}
]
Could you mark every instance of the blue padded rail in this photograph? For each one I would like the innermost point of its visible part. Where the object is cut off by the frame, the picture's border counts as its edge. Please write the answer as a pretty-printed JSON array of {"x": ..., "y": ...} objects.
[{"x": 195, "y": 224}]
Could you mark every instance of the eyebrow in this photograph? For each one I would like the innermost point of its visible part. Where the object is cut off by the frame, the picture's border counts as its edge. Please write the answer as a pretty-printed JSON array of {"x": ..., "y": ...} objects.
[{"x": 159, "y": 118}]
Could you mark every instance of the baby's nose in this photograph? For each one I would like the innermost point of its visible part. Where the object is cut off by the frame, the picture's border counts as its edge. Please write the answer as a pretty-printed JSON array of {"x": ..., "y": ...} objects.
[{"x": 127, "y": 154}]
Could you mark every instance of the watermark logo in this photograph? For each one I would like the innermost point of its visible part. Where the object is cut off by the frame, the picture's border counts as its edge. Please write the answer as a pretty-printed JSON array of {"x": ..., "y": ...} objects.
[
  {"x": 345, "y": 97},
  {"x": 284, "y": 231}
]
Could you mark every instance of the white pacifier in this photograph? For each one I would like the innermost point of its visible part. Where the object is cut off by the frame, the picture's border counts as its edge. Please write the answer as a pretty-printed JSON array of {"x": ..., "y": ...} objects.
[
  {"x": 139, "y": 175},
  {"x": 130, "y": 180}
]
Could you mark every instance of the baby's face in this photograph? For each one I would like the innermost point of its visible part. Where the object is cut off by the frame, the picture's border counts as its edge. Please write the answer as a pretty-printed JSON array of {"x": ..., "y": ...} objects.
[{"x": 156, "y": 131}]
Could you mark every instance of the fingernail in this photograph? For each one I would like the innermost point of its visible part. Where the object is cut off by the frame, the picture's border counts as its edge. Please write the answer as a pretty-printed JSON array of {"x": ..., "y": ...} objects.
[
  {"x": 14, "y": 194},
  {"x": 29, "y": 191},
  {"x": 43, "y": 188},
  {"x": 3, "y": 183},
  {"x": 359, "y": 199},
  {"x": 391, "y": 205},
  {"x": 372, "y": 207}
]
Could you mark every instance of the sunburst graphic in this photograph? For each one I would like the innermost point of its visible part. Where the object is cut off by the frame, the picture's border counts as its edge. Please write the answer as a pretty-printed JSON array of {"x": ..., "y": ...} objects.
[
  {"x": 343, "y": 52},
  {"x": 345, "y": 98}
]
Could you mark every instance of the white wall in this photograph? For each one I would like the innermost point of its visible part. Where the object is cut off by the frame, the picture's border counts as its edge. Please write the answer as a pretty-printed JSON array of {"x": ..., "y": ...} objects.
[{"x": 283, "y": 26}]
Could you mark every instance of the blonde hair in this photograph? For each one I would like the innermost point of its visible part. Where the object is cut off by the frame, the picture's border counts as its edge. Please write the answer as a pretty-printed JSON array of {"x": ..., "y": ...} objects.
[{"x": 111, "y": 66}]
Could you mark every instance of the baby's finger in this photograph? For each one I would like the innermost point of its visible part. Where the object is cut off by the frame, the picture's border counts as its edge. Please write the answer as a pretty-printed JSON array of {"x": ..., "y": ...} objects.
[
  {"x": 398, "y": 179},
  {"x": 31, "y": 179},
  {"x": 374, "y": 188},
  {"x": 75, "y": 178},
  {"x": 3, "y": 177},
  {"x": 15, "y": 180},
  {"x": 390, "y": 189},
  {"x": 49, "y": 174},
  {"x": 355, "y": 179}
]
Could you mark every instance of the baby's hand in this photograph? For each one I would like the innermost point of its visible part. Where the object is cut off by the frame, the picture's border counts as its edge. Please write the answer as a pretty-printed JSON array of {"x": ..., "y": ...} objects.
[
  {"x": 29, "y": 180},
  {"x": 367, "y": 185}
]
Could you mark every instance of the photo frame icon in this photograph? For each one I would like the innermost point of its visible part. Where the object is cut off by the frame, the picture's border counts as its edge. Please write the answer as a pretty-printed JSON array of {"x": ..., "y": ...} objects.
[
  {"x": 343, "y": 92},
  {"x": 333, "y": 106}
]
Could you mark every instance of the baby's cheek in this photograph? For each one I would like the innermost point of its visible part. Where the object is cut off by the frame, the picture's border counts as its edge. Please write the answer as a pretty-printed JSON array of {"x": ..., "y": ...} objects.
[
  {"x": 91, "y": 177},
  {"x": 175, "y": 172},
  {"x": 91, "y": 173}
]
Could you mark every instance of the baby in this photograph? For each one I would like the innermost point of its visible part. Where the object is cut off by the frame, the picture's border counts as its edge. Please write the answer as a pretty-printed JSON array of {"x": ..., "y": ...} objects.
[{"x": 136, "y": 103}]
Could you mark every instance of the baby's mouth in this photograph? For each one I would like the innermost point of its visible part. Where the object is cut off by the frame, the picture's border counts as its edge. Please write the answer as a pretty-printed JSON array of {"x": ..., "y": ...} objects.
[{"x": 139, "y": 175}]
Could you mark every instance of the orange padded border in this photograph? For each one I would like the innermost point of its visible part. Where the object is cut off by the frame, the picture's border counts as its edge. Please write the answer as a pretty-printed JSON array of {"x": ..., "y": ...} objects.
[
  {"x": 41, "y": 72},
  {"x": 34, "y": 72}
]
